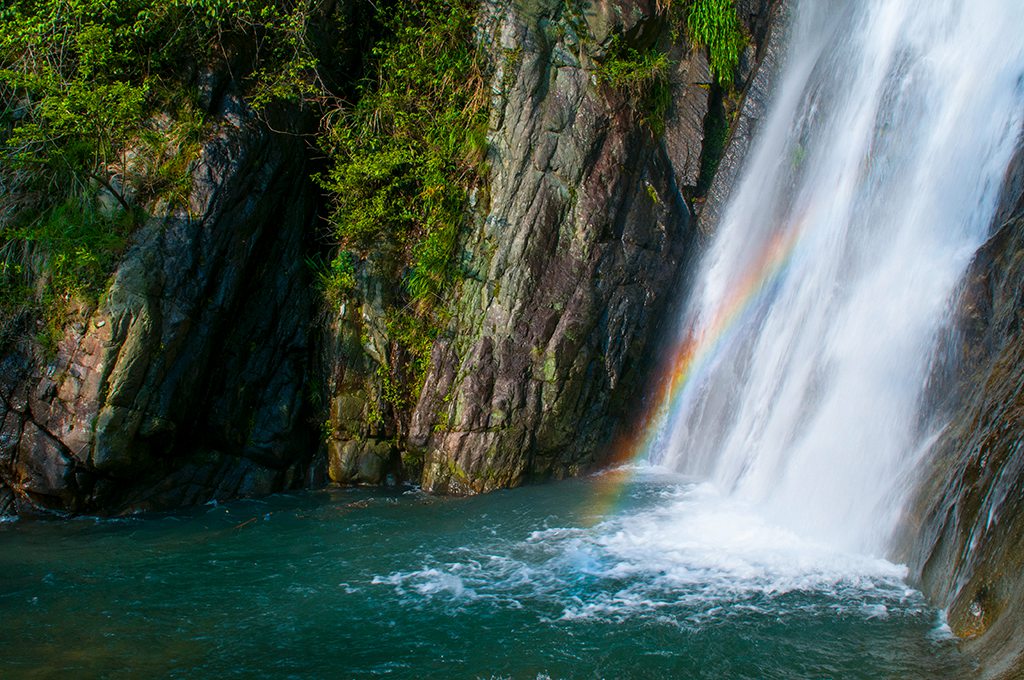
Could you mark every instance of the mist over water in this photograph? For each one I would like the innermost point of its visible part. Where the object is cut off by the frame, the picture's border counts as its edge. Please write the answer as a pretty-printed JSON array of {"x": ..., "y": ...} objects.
[{"x": 877, "y": 170}]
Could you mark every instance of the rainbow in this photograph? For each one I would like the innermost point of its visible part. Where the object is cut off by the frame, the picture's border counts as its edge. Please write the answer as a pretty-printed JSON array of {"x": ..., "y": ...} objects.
[{"x": 690, "y": 358}]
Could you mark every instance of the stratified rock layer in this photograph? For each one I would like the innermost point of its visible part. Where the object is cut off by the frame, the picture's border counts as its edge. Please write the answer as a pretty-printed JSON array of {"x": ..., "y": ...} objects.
[
  {"x": 187, "y": 383},
  {"x": 572, "y": 259}
]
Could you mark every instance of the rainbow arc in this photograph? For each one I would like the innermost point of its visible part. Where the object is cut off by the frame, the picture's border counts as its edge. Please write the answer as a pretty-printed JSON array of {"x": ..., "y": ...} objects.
[{"x": 693, "y": 356}]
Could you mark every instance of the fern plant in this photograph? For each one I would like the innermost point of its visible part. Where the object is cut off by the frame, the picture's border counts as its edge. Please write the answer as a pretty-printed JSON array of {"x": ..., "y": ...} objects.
[{"x": 715, "y": 25}]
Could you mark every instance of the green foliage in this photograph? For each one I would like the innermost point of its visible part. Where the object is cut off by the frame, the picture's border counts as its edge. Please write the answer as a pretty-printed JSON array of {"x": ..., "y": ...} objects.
[
  {"x": 167, "y": 150},
  {"x": 84, "y": 75},
  {"x": 335, "y": 279},
  {"x": 412, "y": 462},
  {"x": 401, "y": 378},
  {"x": 62, "y": 256},
  {"x": 91, "y": 112},
  {"x": 633, "y": 70},
  {"x": 404, "y": 155},
  {"x": 93, "y": 125},
  {"x": 715, "y": 25},
  {"x": 433, "y": 265},
  {"x": 391, "y": 390},
  {"x": 414, "y": 335},
  {"x": 643, "y": 76},
  {"x": 326, "y": 431},
  {"x": 80, "y": 241},
  {"x": 402, "y": 160}
]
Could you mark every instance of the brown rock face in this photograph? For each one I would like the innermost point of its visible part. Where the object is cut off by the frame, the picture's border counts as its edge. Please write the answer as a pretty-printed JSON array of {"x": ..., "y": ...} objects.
[
  {"x": 964, "y": 537},
  {"x": 577, "y": 253},
  {"x": 190, "y": 381},
  {"x": 187, "y": 382}
]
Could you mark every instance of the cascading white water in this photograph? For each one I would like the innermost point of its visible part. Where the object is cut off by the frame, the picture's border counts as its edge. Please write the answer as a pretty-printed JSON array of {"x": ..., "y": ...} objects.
[{"x": 869, "y": 187}]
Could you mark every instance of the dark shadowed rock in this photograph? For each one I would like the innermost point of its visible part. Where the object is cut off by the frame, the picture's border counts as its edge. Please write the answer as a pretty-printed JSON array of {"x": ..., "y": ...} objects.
[{"x": 188, "y": 382}]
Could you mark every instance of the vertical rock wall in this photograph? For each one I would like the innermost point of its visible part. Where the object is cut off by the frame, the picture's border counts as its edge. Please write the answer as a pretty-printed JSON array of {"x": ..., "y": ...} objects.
[
  {"x": 574, "y": 255},
  {"x": 199, "y": 374},
  {"x": 572, "y": 260},
  {"x": 577, "y": 250},
  {"x": 964, "y": 536},
  {"x": 188, "y": 381}
]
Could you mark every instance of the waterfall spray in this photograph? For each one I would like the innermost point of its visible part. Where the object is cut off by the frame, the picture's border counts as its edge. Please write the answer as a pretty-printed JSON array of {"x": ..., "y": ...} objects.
[{"x": 808, "y": 334}]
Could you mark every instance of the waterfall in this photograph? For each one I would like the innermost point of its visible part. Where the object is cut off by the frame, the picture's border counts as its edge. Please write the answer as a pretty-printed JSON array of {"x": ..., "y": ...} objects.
[{"x": 870, "y": 184}]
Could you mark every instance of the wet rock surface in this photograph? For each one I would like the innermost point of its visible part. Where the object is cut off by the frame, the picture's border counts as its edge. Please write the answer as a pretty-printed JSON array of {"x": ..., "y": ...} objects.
[
  {"x": 570, "y": 263},
  {"x": 964, "y": 536},
  {"x": 585, "y": 229},
  {"x": 575, "y": 255},
  {"x": 769, "y": 21}
]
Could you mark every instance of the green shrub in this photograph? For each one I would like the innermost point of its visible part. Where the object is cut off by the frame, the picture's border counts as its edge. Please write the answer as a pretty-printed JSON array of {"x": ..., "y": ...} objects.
[
  {"x": 335, "y": 279},
  {"x": 633, "y": 70},
  {"x": 402, "y": 161},
  {"x": 404, "y": 156},
  {"x": 643, "y": 76},
  {"x": 61, "y": 256},
  {"x": 715, "y": 25},
  {"x": 414, "y": 335},
  {"x": 91, "y": 106},
  {"x": 86, "y": 75}
]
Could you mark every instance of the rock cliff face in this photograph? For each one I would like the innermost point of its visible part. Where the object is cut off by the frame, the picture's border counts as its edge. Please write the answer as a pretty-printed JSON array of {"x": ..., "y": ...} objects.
[
  {"x": 188, "y": 381},
  {"x": 964, "y": 539},
  {"x": 770, "y": 22},
  {"x": 575, "y": 257},
  {"x": 199, "y": 374},
  {"x": 572, "y": 260}
]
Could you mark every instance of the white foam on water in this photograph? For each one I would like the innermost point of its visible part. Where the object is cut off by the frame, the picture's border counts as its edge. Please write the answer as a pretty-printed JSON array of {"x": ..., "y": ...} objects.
[
  {"x": 430, "y": 582},
  {"x": 695, "y": 556},
  {"x": 882, "y": 157},
  {"x": 942, "y": 631}
]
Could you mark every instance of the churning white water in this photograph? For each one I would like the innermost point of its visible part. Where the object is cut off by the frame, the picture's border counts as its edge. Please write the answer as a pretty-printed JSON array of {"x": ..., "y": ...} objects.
[{"x": 869, "y": 186}]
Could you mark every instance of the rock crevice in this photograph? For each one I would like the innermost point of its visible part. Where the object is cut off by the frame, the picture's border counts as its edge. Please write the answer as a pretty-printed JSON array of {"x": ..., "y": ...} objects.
[{"x": 187, "y": 381}]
